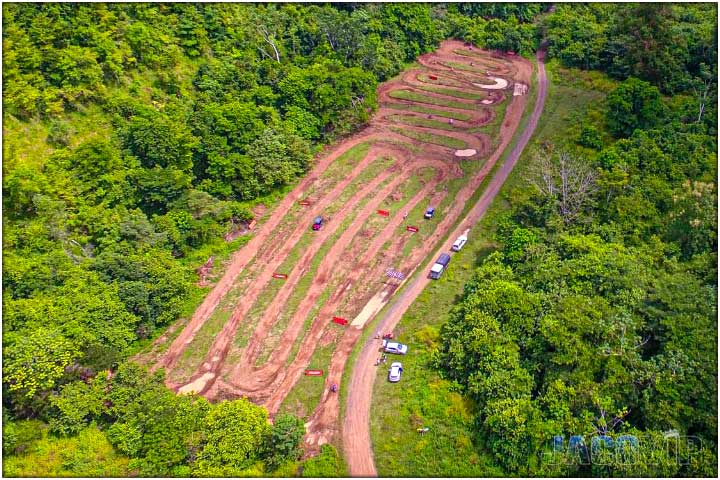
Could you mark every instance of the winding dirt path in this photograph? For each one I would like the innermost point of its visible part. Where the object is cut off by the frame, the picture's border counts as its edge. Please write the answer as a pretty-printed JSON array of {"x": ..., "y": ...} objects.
[{"x": 356, "y": 426}]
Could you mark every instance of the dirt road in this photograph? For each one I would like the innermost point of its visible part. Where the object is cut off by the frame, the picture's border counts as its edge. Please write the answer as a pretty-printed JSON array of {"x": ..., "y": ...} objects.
[{"x": 356, "y": 426}]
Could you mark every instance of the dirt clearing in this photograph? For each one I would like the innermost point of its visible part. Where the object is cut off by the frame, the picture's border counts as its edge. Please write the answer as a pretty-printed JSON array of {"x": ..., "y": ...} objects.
[{"x": 426, "y": 124}]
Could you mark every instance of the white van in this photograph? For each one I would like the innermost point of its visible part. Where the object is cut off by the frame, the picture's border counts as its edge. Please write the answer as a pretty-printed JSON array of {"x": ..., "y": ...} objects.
[{"x": 459, "y": 243}]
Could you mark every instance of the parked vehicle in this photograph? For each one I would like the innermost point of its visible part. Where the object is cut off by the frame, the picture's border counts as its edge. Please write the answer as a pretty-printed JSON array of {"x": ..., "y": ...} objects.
[
  {"x": 394, "y": 347},
  {"x": 430, "y": 212},
  {"x": 317, "y": 225},
  {"x": 440, "y": 265},
  {"x": 459, "y": 243},
  {"x": 395, "y": 372}
]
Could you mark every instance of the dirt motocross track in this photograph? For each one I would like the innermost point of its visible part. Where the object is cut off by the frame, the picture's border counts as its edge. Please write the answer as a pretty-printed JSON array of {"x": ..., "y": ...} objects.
[{"x": 442, "y": 102}]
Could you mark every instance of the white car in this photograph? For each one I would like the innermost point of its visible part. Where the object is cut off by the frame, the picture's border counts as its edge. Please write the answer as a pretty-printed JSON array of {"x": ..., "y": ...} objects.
[
  {"x": 395, "y": 372},
  {"x": 394, "y": 347}
]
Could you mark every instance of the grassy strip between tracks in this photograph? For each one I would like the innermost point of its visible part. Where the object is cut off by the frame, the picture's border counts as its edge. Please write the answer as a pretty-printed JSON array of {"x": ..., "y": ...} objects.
[
  {"x": 196, "y": 351},
  {"x": 429, "y": 111},
  {"x": 420, "y": 98},
  {"x": 451, "y": 92},
  {"x": 479, "y": 69},
  {"x": 305, "y": 395},
  {"x": 441, "y": 80},
  {"x": 428, "y": 137},
  {"x": 413, "y": 120},
  {"x": 268, "y": 294},
  {"x": 480, "y": 55}
]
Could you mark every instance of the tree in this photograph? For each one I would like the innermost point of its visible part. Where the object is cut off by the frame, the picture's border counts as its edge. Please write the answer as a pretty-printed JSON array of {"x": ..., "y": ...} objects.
[
  {"x": 76, "y": 404},
  {"x": 236, "y": 434},
  {"x": 278, "y": 158},
  {"x": 633, "y": 104},
  {"x": 34, "y": 360},
  {"x": 567, "y": 180},
  {"x": 284, "y": 440}
]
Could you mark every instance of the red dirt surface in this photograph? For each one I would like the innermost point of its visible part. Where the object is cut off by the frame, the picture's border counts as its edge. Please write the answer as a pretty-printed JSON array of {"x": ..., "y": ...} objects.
[{"x": 352, "y": 270}]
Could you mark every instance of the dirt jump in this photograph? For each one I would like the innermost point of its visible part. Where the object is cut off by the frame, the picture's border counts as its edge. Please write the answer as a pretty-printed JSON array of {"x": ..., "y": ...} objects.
[{"x": 438, "y": 132}]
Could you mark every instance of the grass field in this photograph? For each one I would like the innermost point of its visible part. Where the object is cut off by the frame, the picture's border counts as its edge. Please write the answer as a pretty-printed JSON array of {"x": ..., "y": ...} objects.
[
  {"x": 429, "y": 111},
  {"x": 89, "y": 454},
  {"x": 424, "y": 399},
  {"x": 451, "y": 92},
  {"x": 422, "y": 122},
  {"x": 305, "y": 395},
  {"x": 427, "y": 137},
  {"x": 442, "y": 102},
  {"x": 442, "y": 80}
]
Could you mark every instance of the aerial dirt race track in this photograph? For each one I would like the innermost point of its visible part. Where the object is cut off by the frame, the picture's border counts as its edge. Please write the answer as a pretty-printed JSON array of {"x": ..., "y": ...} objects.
[
  {"x": 255, "y": 334},
  {"x": 356, "y": 427}
]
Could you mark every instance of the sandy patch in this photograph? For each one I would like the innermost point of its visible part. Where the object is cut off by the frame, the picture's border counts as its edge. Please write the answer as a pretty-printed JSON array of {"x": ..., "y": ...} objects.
[
  {"x": 197, "y": 385},
  {"x": 465, "y": 153},
  {"x": 499, "y": 84},
  {"x": 371, "y": 308}
]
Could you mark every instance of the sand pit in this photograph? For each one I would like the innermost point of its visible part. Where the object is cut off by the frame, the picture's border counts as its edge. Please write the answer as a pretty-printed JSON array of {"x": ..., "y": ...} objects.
[
  {"x": 198, "y": 385},
  {"x": 499, "y": 84},
  {"x": 371, "y": 308},
  {"x": 465, "y": 153}
]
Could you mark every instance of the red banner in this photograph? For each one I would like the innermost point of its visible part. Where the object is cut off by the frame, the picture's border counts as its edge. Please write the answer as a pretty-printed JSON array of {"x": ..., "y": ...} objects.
[
  {"x": 412, "y": 229},
  {"x": 384, "y": 213},
  {"x": 304, "y": 203},
  {"x": 279, "y": 275},
  {"x": 340, "y": 321},
  {"x": 313, "y": 373}
]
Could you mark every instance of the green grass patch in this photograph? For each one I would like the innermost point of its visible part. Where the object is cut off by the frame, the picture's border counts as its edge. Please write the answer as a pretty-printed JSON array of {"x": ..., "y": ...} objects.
[
  {"x": 89, "y": 454},
  {"x": 451, "y": 92},
  {"x": 347, "y": 161},
  {"x": 303, "y": 285},
  {"x": 308, "y": 323},
  {"x": 326, "y": 465},
  {"x": 480, "y": 69},
  {"x": 417, "y": 97},
  {"x": 305, "y": 395},
  {"x": 442, "y": 80},
  {"x": 421, "y": 122},
  {"x": 430, "y": 111},
  {"x": 428, "y": 137}
]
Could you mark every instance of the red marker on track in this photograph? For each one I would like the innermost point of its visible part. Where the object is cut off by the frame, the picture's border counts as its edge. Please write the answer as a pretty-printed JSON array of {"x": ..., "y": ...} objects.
[
  {"x": 384, "y": 213},
  {"x": 412, "y": 229},
  {"x": 313, "y": 373},
  {"x": 340, "y": 321},
  {"x": 279, "y": 275}
]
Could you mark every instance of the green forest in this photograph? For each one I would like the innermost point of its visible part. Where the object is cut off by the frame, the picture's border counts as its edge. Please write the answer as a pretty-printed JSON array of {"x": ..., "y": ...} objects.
[{"x": 136, "y": 136}]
